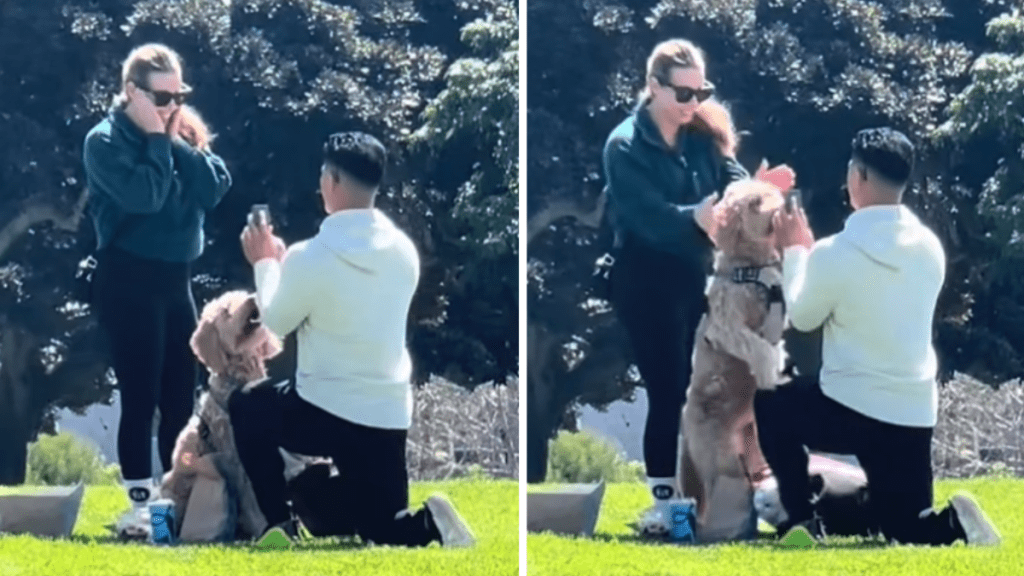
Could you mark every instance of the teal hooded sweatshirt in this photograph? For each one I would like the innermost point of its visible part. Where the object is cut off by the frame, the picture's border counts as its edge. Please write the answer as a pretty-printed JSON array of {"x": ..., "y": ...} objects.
[{"x": 149, "y": 194}]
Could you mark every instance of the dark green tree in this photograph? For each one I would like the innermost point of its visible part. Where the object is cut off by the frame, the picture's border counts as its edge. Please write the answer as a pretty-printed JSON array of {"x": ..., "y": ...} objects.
[
  {"x": 46, "y": 342},
  {"x": 986, "y": 337},
  {"x": 476, "y": 227}
]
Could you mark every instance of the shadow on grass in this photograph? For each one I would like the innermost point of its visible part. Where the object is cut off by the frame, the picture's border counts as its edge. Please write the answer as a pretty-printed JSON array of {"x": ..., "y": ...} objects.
[
  {"x": 766, "y": 541},
  {"x": 308, "y": 543}
]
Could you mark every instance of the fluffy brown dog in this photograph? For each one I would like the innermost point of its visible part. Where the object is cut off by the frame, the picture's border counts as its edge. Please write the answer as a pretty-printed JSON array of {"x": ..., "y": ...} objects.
[
  {"x": 738, "y": 350},
  {"x": 207, "y": 482}
]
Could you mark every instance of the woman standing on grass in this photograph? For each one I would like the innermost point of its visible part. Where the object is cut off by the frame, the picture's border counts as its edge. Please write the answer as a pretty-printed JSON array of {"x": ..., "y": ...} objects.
[
  {"x": 151, "y": 178},
  {"x": 665, "y": 166}
]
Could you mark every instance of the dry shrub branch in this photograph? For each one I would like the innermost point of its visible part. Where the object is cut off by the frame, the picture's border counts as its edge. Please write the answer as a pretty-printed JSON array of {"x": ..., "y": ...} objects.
[
  {"x": 980, "y": 429},
  {"x": 457, "y": 433}
]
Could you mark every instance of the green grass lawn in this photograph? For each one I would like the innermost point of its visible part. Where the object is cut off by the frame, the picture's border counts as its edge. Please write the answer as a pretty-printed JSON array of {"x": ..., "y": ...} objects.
[
  {"x": 614, "y": 549},
  {"x": 490, "y": 507}
]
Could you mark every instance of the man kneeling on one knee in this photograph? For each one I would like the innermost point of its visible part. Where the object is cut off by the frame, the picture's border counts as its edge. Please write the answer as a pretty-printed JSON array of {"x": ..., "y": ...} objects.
[
  {"x": 346, "y": 292},
  {"x": 873, "y": 288}
]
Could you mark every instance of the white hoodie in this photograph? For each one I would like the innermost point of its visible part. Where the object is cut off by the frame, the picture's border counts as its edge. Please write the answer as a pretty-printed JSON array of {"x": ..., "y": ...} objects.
[
  {"x": 874, "y": 287},
  {"x": 347, "y": 290}
]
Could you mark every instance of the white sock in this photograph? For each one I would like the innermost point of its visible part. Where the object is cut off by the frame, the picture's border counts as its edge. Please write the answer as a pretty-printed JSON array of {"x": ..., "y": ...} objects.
[
  {"x": 139, "y": 491},
  {"x": 662, "y": 490}
]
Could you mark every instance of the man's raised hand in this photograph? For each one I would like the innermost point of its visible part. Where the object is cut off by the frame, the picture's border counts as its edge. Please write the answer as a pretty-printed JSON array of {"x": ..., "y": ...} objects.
[
  {"x": 792, "y": 229},
  {"x": 259, "y": 242}
]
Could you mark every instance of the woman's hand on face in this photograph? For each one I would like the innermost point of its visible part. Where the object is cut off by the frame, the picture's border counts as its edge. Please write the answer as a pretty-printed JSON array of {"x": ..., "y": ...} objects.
[
  {"x": 782, "y": 176},
  {"x": 174, "y": 123},
  {"x": 143, "y": 112},
  {"x": 191, "y": 128},
  {"x": 188, "y": 134}
]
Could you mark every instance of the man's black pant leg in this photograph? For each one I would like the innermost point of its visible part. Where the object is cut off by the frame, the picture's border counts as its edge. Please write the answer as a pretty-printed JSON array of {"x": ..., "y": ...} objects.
[
  {"x": 895, "y": 459},
  {"x": 897, "y": 463},
  {"x": 782, "y": 420},
  {"x": 791, "y": 419},
  {"x": 373, "y": 488},
  {"x": 372, "y": 464},
  {"x": 257, "y": 419}
]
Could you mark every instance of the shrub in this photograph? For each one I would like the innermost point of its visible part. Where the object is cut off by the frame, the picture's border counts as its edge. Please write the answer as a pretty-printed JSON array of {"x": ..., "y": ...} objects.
[
  {"x": 980, "y": 429},
  {"x": 457, "y": 433},
  {"x": 67, "y": 459},
  {"x": 586, "y": 457}
]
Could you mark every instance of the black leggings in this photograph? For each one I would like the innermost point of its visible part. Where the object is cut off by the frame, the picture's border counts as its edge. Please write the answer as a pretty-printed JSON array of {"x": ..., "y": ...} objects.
[
  {"x": 895, "y": 459},
  {"x": 660, "y": 299},
  {"x": 370, "y": 461},
  {"x": 148, "y": 313}
]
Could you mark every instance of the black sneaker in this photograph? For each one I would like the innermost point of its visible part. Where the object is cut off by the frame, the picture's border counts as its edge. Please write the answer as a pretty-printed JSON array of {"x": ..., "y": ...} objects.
[{"x": 978, "y": 530}]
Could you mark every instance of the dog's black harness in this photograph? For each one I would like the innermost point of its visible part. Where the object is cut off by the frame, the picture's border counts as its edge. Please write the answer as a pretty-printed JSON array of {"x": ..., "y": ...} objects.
[
  {"x": 752, "y": 275},
  {"x": 771, "y": 294}
]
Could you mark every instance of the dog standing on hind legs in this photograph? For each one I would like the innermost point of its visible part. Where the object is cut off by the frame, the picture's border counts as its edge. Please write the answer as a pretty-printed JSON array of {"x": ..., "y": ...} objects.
[{"x": 738, "y": 349}]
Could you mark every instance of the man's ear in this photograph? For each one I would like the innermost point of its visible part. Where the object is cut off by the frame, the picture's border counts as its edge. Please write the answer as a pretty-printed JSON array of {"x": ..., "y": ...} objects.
[{"x": 862, "y": 170}]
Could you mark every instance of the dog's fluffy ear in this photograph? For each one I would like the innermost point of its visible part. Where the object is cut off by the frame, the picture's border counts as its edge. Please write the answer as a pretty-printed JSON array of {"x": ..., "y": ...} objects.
[
  {"x": 728, "y": 230},
  {"x": 207, "y": 347}
]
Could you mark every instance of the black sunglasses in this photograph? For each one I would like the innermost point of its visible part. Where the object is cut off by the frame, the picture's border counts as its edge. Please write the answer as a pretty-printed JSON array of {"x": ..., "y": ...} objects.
[
  {"x": 162, "y": 98},
  {"x": 684, "y": 93}
]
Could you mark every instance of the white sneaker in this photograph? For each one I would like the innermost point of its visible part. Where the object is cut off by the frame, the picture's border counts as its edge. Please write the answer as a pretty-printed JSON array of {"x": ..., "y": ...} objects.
[
  {"x": 978, "y": 529},
  {"x": 455, "y": 533},
  {"x": 135, "y": 524},
  {"x": 654, "y": 522}
]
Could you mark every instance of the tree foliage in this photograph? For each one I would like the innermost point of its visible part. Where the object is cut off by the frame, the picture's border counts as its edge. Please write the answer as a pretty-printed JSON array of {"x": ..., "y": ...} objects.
[{"x": 986, "y": 334}]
